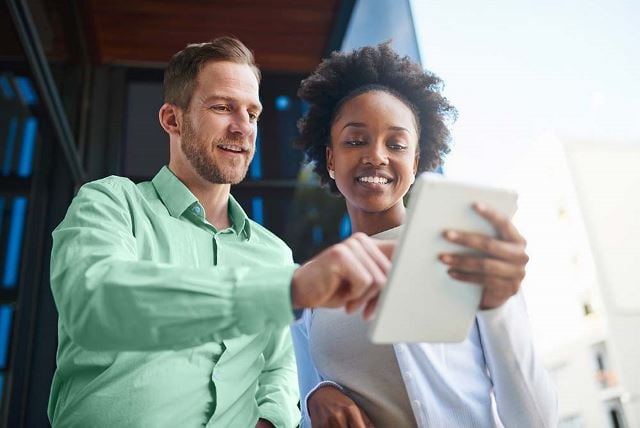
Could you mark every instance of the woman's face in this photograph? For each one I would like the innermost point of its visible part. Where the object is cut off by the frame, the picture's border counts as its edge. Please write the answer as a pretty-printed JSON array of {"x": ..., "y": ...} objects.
[{"x": 373, "y": 151}]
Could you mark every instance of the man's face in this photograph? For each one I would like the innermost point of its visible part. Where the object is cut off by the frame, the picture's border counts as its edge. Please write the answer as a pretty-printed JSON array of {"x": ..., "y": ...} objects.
[{"x": 218, "y": 132}]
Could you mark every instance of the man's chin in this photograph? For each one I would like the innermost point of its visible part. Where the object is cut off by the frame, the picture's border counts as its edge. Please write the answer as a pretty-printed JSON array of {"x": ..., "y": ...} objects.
[{"x": 231, "y": 179}]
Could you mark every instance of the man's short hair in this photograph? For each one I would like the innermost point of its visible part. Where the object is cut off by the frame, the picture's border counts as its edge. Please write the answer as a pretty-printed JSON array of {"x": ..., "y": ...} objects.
[{"x": 182, "y": 71}]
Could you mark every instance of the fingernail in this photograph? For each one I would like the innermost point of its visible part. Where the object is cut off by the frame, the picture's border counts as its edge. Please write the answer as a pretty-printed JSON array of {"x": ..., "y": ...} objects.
[
  {"x": 446, "y": 258},
  {"x": 450, "y": 234},
  {"x": 479, "y": 206}
]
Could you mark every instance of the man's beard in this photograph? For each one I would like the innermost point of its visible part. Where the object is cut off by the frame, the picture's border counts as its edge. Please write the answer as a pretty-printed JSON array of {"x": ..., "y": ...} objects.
[{"x": 201, "y": 158}]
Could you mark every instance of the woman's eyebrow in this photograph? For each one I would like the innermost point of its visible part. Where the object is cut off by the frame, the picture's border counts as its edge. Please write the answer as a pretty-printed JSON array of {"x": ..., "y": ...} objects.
[
  {"x": 399, "y": 128},
  {"x": 355, "y": 125},
  {"x": 364, "y": 125}
]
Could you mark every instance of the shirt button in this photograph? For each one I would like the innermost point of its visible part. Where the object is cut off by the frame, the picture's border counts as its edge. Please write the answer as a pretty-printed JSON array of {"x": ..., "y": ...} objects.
[
  {"x": 408, "y": 376},
  {"x": 416, "y": 404},
  {"x": 196, "y": 209}
]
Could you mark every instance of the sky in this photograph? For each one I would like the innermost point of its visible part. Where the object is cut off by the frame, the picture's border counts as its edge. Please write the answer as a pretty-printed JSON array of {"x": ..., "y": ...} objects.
[{"x": 521, "y": 71}]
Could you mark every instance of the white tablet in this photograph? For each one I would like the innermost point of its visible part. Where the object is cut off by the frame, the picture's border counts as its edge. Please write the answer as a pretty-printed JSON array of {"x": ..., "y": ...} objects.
[{"x": 421, "y": 302}]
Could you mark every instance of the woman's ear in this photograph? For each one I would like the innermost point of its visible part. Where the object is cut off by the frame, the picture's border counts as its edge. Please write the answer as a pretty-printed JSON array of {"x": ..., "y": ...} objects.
[
  {"x": 170, "y": 117},
  {"x": 416, "y": 162},
  {"x": 329, "y": 157}
]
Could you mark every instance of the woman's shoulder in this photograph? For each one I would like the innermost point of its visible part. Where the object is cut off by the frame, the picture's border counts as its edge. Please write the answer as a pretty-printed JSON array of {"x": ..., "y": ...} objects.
[{"x": 392, "y": 233}]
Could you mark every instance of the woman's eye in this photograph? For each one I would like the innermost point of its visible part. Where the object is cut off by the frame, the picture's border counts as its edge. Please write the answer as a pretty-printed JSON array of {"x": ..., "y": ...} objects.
[
  {"x": 397, "y": 146},
  {"x": 354, "y": 142}
]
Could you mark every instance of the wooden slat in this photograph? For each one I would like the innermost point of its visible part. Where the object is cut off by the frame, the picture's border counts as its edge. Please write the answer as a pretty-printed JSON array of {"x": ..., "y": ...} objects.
[{"x": 285, "y": 35}]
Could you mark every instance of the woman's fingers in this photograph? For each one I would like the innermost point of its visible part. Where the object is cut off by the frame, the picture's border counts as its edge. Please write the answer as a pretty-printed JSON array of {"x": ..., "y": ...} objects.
[
  {"x": 504, "y": 250},
  {"x": 505, "y": 228},
  {"x": 496, "y": 290},
  {"x": 484, "y": 266}
]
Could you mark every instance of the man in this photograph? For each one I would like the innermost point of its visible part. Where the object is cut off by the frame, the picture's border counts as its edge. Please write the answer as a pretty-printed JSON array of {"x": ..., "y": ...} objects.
[{"x": 173, "y": 305}]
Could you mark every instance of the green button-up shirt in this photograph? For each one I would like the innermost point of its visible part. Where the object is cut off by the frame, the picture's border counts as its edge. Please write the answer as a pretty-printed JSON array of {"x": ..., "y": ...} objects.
[{"x": 164, "y": 320}]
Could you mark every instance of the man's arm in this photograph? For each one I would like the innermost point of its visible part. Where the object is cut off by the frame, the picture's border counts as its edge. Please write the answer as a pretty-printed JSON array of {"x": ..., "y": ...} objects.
[
  {"x": 109, "y": 299},
  {"x": 277, "y": 394}
]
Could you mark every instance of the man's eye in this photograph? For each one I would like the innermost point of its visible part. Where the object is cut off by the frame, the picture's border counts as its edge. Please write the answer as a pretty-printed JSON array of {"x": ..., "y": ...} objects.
[
  {"x": 253, "y": 116},
  {"x": 221, "y": 108}
]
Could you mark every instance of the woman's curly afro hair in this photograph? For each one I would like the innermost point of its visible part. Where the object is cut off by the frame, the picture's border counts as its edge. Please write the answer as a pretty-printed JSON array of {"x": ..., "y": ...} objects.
[{"x": 343, "y": 76}]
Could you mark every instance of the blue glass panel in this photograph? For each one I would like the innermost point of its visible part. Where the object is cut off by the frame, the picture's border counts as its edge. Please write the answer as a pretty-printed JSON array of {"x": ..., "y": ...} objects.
[
  {"x": 6, "y": 313},
  {"x": 255, "y": 170},
  {"x": 286, "y": 118},
  {"x": 14, "y": 242},
  {"x": 257, "y": 209},
  {"x": 282, "y": 102},
  {"x": 26, "y": 90},
  {"x": 304, "y": 108},
  {"x": 393, "y": 21},
  {"x": 10, "y": 146},
  {"x": 316, "y": 234},
  {"x": 28, "y": 143},
  {"x": 345, "y": 227},
  {"x": 1, "y": 215},
  {"x": 7, "y": 90}
]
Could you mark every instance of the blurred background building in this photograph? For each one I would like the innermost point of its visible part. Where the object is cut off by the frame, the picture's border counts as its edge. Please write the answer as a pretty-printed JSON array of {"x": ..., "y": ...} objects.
[{"x": 80, "y": 87}]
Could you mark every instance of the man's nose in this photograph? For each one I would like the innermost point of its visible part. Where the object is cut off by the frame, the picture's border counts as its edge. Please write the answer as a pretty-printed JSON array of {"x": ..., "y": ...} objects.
[{"x": 241, "y": 125}]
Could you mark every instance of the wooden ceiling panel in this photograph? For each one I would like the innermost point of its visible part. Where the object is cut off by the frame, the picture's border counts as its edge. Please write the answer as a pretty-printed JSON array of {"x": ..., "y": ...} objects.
[{"x": 285, "y": 35}]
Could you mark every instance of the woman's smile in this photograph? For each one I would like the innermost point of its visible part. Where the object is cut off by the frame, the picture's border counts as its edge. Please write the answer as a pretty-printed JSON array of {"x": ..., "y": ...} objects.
[{"x": 373, "y": 154}]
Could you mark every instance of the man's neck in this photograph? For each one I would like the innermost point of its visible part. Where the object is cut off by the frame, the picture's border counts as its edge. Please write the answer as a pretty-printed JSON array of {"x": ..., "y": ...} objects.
[{"x": 214, "y": 198}]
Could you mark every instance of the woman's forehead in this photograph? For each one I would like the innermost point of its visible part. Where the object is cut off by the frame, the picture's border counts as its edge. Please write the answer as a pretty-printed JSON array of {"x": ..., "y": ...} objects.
[{"x": 375, "y": 107}]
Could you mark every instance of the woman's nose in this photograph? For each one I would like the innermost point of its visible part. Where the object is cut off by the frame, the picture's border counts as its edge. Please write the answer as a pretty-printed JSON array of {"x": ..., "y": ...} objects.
[{"x": 376, "y": 155}]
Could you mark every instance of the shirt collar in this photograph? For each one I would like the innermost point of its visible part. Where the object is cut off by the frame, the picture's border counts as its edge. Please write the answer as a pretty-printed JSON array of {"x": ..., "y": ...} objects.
[
  {"x": 178, "y": 198},
  {"x": 239, "y": 220}
]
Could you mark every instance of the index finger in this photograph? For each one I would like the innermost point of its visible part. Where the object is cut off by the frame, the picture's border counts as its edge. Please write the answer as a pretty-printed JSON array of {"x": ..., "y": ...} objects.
[
  {"x": 357, "y": 419},
  {"x": 378, "y": 251},
  {"x": 386, "y": 246},
  {"x": 505, "y": 228}
]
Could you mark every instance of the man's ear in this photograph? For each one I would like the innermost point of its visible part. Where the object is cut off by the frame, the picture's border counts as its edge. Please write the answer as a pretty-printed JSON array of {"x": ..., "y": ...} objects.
[
  {"x": 170, "y": 117},
  {"x": 329, "y": 157}
]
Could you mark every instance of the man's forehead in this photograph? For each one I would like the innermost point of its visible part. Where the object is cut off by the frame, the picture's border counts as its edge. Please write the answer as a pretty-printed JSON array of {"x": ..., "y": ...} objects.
[
  {"x": 228, "y": 80},
  {"x": 227, "y": 77},
  {"x": 228, "y": 73}
]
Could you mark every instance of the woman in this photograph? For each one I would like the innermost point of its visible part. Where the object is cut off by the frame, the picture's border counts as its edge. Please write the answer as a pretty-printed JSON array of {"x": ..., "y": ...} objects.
[{"x": 375, "y": 121}]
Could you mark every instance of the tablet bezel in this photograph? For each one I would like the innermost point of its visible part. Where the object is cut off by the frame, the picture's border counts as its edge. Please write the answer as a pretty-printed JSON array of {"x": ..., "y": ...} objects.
[{"x": 404, "y": 304}]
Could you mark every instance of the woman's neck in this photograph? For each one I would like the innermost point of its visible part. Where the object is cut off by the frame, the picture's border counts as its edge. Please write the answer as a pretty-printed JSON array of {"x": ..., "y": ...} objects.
[{"x": 372, "y": 223}]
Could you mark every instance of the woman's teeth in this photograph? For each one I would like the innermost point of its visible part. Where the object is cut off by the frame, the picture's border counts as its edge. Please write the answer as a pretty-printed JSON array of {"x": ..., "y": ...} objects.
[{"x": 377, "y": 180}]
